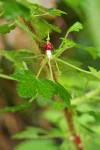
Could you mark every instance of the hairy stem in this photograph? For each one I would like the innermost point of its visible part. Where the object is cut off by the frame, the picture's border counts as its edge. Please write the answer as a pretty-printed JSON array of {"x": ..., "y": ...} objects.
[
  {"x": 43, "y": 64},
  {"x": 6, "y": 77},
  {"x": 50, "y": 68}
]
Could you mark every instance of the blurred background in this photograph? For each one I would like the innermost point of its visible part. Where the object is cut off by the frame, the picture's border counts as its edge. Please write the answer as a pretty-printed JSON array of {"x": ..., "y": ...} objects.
[{"x": 88, "y": 13}]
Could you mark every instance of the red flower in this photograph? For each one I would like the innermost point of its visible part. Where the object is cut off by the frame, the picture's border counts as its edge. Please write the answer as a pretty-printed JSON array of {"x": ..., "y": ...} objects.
[{"x": 48, "y": 46}]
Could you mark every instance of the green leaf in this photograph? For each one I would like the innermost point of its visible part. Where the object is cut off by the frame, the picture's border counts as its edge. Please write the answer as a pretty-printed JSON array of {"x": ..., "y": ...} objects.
[
  {"x": 6, "y": 28},
  {"x": 27, "y": 86},
  {"x": 62, "y": 92},
  {"x": 18, "y": 56},
  {"x": 12, "y": 9},
  {"x": 37, "y": 145},
  {"x": 16, "y": 108},
  {"x": 52, "y": 11},
  {"x": 55, "y": 12},
  {"x": 53, "y": 27},
  {"x": 39, "y": 23},
  {"x": 46, "y": 88},
  {"x": 75, "y": 27}
]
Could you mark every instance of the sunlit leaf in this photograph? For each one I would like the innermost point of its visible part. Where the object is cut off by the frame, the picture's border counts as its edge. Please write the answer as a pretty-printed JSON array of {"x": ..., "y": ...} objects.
[
  {"x": 46, "y": 88},
  {"x": 29, "y": 86},
  {"x": 75, "y": 27}
]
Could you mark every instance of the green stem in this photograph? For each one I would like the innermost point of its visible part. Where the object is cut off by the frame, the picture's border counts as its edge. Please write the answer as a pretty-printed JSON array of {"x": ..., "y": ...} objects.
[
  {"x": 57, "y": 67},
  {"x": 51, "y": 73},
  {"x": 43, "y": 64},
  {"x": 66, "y": 35},
  {"x": 68, "y": 64},
  {"x": 61, "y": 50},
  {"x": 33, "y": 98},
  {"x": 25, "y": 65},
  {"x": 40, "y": 15},
  {"x": 6, "y": 77}
]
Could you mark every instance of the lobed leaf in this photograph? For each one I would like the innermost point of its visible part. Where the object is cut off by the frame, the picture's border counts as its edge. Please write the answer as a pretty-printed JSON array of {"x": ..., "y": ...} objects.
[
  {"x": 29, "y": 86},
  {"x": 75, "y": 27}
]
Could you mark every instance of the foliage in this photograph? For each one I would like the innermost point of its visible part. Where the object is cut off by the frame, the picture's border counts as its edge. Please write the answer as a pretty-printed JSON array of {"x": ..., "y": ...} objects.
[{"x": 76, "y": 87}]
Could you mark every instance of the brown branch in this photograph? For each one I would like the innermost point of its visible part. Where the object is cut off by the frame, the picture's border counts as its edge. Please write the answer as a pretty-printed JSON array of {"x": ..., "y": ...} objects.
[{"x": 69, "y": 118}]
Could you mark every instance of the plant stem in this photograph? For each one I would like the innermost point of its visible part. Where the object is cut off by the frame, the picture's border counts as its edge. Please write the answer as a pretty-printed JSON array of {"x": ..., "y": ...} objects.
[
  {"x": 43, "y": 64},
  {"x": 68, "y": 64},
  {"x": 50, "y": 68},
  {"x": 6, "y": 77},
  {"x": 57, "y": 67},
  {"x": 68, "y": 113},
  {"x": 60, "y": 50},
  {"x": 25, "y": 65},
  {"x": 64, "y": 38},
  {"x": 70, "y": 123},
  {"x": 69, "y": 118}
]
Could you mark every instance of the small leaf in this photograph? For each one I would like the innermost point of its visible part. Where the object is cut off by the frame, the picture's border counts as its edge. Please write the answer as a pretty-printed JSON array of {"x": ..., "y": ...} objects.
[
  {"x": 53, "y": 27},
  {"x": 16, "y": 108},
  {"x": 6, "y": 28},
  {"x": 52, "y": 11},
  {"x": 55, "y": 12},
  {"x": 75, "y": 27}
]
